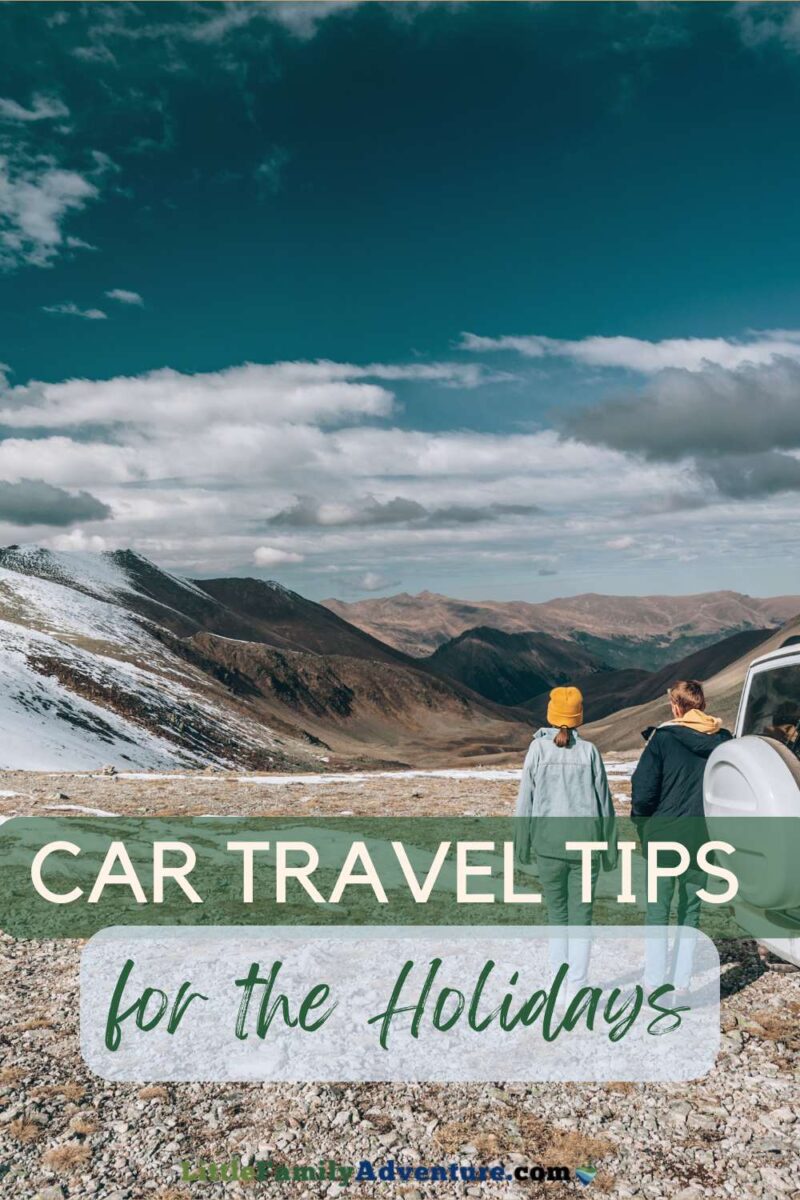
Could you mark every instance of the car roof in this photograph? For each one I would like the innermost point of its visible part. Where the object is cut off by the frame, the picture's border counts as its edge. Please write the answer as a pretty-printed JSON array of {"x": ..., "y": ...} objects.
[{"x": 781, "y": 652}]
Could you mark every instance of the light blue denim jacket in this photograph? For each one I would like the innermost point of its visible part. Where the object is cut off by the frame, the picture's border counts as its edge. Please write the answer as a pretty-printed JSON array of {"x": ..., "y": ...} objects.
[{"x": 563, "y": 783}]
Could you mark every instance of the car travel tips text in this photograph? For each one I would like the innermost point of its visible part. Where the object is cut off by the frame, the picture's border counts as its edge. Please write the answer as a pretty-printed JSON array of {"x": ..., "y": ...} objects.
[
  {"x": 422, "y": 995},
  {"x": 360, "y": 870}
]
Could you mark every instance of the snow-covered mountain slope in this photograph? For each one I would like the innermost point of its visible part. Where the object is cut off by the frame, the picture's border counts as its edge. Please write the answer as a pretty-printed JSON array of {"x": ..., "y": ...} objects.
[
  {"x": 107, "y": 659},
  {"x": 86, "y": 682},
  {"x": 44, "y": 725}
]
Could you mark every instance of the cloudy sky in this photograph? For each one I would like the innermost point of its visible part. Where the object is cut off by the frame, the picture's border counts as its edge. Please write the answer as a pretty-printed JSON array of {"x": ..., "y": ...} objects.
[{"x": 496, "y": 300}]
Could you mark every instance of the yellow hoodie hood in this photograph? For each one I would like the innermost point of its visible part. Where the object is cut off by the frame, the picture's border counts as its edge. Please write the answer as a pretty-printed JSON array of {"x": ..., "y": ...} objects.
[{"x": 699, "y": 721}]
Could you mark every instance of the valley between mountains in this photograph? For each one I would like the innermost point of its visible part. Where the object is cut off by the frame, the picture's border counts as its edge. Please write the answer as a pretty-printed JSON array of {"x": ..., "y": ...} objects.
[{"x": 109, "y": 660}]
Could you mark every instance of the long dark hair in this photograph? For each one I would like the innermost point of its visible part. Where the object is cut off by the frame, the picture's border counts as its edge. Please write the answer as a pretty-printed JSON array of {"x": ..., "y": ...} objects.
[{"x": 563, "y": 738}]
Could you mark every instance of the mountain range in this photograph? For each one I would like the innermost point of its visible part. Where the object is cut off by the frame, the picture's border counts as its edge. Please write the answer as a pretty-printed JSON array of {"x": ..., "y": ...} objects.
[
  {"x": 622, "y": 730},
  {"x": 608, "y": 692},
  {"x": 519, "y": 669},
  {"x": 644, "y": 632},
  {"x": 109, "y": 659}
]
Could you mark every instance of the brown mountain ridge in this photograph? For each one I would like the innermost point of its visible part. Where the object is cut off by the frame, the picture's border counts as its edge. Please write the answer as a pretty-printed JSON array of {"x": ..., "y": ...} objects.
[{"x": 645, "y": 632}]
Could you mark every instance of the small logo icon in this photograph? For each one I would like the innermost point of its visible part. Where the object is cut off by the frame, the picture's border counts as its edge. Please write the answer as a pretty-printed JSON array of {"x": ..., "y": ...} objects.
[{"x": 585, "y": 1175}]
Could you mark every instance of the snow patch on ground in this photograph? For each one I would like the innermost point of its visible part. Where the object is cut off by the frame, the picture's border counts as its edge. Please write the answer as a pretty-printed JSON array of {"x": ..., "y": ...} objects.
[
  {"x": 489, "y": 773},
  {"x": 80, "y": 808},
  {"x": 621, "y": 770},
  {"x": 345, "y": 777},
  {"x": 446, "y": 773}
]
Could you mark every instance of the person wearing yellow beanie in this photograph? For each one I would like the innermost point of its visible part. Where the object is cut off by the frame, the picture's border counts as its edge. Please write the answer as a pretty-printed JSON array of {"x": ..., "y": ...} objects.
[
  {"x": 565, "y": 710},
  {"x": 564, "y": 777}
]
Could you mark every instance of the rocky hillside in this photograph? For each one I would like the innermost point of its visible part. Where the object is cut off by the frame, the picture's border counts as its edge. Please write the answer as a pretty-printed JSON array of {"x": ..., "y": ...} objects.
[
  {"x": 267, "y": 612},
  {"x": 644, "y": 632},
  {"x": 392, "y": 711},
  {"x": 107, "y": 659},
  {"x": 509, "y": 668}
]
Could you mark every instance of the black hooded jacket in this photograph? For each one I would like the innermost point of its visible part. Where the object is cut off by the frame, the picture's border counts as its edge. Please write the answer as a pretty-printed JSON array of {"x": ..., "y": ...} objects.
[{"x": 668, "y": 781}]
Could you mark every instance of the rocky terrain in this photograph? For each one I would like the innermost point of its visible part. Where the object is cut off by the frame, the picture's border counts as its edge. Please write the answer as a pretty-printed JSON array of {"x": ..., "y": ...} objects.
[{"x": 65, "y": 1133}]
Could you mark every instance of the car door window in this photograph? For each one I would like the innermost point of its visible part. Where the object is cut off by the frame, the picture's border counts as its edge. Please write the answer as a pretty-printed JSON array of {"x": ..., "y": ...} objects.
[{"x": 773, "y": 706}]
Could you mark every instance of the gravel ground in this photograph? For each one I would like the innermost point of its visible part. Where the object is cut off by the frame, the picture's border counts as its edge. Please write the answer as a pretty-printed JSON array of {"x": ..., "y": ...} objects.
[{"x": 64, "y": 1132}]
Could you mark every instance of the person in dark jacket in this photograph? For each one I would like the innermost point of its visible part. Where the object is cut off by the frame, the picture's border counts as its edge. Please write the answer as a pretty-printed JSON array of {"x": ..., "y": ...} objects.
[{"x": 667, "y": 804}]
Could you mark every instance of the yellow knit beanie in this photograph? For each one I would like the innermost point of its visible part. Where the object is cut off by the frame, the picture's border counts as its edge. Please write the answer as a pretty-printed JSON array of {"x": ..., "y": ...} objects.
[{"x": 565, "y": 707}]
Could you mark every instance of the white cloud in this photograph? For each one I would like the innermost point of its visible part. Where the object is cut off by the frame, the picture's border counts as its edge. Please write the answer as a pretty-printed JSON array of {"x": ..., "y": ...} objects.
[
  {"x": 273, "y": 556},
  {"x": 304, "y": 18},
  {"x": 123, "y": 296},
  {"x": 647, "y": 357},
  {"x": 299, "y": 464},
  {"x": 371, "y": 581},
  {"x": 448, "y": 374},
  {"x": 625, "y": 542},
  {"x": 212, "y": 25},
  {"x": 288, "y": 430},
  {"x": 761, "y": 23},
  {"x": 242, "y": 399},
  {"x": 66, "y": 462},
  {"x": 36, "y": 198},
  {"x": 76, "y": 243},
  {"x": 43, "y": 108},
  {"x": 77, "y": 540},
  {"x": 72, "y": 310},
  {"x": 203, "y": 24}
]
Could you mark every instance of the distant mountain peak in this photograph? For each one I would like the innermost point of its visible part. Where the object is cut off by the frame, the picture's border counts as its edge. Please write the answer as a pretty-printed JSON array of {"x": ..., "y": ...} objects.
[{"x": 419, "y": 624}]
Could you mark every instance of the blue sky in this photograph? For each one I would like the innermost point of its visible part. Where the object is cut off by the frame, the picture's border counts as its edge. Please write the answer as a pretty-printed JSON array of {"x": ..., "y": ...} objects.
[{"x": 496, "y": 300}]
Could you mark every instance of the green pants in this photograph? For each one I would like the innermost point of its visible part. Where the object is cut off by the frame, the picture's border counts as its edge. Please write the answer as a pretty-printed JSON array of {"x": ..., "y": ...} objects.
[
  {"x": 561, "y": 886},
  {"x": 688, "y": 902}
]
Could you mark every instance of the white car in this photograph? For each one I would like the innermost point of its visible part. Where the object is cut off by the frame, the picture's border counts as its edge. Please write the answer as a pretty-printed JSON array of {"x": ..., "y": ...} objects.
[{"x": 758, "y": 775}]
